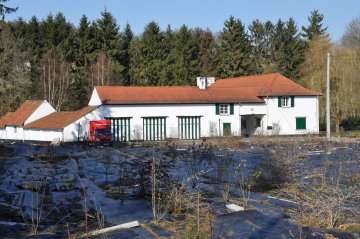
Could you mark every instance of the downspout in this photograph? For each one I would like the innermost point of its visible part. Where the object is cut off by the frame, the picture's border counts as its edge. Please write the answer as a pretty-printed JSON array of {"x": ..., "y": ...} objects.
[
  {"x": 317, "y": 115},
  {"x": 219, "y": 128},
  {"x": 267, "y": 112},
  {"x": 239, "y": 120}
]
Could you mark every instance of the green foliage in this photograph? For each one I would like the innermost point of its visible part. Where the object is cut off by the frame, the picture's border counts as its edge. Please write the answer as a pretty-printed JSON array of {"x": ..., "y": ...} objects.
[
  {"x": 289, "y": 49},
  {"x": 14, "y": 72},
  {"x": 315, "y": 28},
  {"x": 5, "y": 9},
  {"x": 100, "y": 52},
  {"x": 234, "y": 50},
  {"x": 351, "y": 123}
]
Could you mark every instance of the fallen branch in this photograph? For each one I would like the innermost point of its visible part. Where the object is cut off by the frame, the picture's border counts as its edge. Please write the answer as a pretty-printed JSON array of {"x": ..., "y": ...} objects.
[{"x": 114, "y": 228}]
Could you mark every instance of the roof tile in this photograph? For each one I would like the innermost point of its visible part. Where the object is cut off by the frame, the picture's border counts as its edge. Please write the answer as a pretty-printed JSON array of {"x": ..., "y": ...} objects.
[
  {"x": 19, "y": 117},
  {"x": 59, "y": 120},
  {"x": 241, "y": 89}
]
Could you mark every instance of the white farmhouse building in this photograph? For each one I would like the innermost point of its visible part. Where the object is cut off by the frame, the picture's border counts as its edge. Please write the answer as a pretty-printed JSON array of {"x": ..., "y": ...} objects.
[
  {"x": 263, "y": 104},
  {"x": 11, "y": 125}
]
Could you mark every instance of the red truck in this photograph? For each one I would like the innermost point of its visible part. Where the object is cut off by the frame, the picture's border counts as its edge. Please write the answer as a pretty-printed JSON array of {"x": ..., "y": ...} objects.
[{"x": 100, "y": 132}]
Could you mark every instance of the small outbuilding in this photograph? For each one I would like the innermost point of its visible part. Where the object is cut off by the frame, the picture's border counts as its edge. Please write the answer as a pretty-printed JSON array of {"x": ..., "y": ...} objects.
[
  {"x": 63, "y": 126},
  {"x": 12, "y": 124}
]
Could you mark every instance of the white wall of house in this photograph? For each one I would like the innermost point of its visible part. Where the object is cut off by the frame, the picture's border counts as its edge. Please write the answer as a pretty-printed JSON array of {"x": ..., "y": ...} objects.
[
  {"x": 172, "y": 112},
  {"x": 95, "y": 99},
  {"x": 13, "y": 132},
  {"x": 43, "y": 110},
  {"x": 2, "y": 133},
  {"x": 285, "y": 117},
  {"x": 269, "y": 114},
  {"x": 43, "y": 134},
  {"x": 282, "y": 119},
  {"x": 79, "y": 130}
]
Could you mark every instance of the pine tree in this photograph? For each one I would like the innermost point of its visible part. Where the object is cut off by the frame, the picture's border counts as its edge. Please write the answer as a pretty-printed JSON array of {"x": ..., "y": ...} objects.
[
  {"x": 147, "y": 56},
  {"x": 108, "y": 36},
  {"x": 185, "y": 53},
  {"x": 288, "y": 49},
  {"x": 167, "y": 76},
  {"x": 234, "y": 50},
  {"x": 315, "y": 28},
  {"x": 126, "y": 38},
  {"x": 6, "y": 10},
  {"x": 206, "y": 53}
]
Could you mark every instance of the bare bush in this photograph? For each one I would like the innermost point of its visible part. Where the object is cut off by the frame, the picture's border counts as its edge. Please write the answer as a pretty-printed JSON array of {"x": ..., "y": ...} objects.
[
  {"x": 213, "y": 132},
  {"x": 274, "y": 170},
  {"x": 244, "y": 182}
]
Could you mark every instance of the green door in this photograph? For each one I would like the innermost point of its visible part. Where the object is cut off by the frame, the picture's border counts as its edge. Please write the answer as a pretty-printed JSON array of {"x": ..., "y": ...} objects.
[
  {"x": 120, "y": 128},
  {"x": 226, "y": 129},
  {"x": 189, "y": 127}
]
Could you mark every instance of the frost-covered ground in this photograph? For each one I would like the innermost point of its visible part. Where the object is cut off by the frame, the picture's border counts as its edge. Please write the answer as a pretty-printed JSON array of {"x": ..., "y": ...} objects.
[{"x": 57, "y": 191}]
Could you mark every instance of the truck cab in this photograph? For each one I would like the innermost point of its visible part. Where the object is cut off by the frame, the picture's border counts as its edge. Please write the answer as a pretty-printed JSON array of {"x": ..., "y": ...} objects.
[{"x": 100, "y": 131}]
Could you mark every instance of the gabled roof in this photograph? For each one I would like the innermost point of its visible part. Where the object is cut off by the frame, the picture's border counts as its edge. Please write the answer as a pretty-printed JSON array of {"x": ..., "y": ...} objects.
[
  {"x": 273, "y": 84},
  {"x": 231, "y": 90},
  {"x": 19, "y": 117},
  {"x": 59, "y": 120},
  {"x": 173, "y": 95},
  {"x": 5, "y": 118}
]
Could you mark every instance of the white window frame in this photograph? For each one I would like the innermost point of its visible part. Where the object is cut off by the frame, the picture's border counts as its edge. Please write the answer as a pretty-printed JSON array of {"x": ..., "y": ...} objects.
[
  {"x": 224, "y": 109},
  {"x": 285, "y": 101}
]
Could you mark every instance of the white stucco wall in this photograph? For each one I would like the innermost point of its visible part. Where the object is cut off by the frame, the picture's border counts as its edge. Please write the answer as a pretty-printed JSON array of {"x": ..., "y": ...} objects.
[
  {"x": 13, "y": 133},
  {"x": 172, "y": 111},
  {"x": 285, "y": 117},
  {"x": 79, "y": 130},
  {"x": 95, "y": 99},
  {"x": 268, "y": 112},
  {"x": 44, "y": 109},
  {"x": 43, "y": 135},
  {"x": 2, "y": 133}
]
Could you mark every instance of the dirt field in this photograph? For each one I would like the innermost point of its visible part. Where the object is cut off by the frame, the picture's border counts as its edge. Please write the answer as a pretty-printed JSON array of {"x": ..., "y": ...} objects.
[{"x": 288, "y": 187}]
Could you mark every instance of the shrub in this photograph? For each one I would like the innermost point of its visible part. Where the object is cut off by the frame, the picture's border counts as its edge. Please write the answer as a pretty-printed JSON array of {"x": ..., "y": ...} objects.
[{"x": 351, "y": 123}]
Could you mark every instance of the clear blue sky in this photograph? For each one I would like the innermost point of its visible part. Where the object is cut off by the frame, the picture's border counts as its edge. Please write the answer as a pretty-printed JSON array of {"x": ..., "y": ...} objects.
[{"x": 202, "y": 13}]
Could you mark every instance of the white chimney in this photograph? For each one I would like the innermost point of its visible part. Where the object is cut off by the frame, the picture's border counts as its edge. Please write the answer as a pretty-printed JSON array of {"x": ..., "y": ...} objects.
[{"x": 204, "y": 82}]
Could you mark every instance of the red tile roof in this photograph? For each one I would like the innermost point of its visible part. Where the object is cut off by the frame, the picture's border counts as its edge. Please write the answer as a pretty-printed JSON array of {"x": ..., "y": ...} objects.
[
  {"x": 59, "y": 120},
  {"x": 273, "y": 84},
  {"x": 232, "y": 90},
  {"x": 5, "y": 118},
  {"x": 173, "y": 95},
  {"x": 19, "y": 117}
]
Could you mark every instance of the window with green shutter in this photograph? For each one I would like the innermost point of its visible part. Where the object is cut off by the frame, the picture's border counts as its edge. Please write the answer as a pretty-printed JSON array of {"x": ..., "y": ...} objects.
[
  {"x": 286, "y": 101},
  {"x": 300, "y": 123},
  {"x": 217, "y": 109},
  {"x": 231, "y": 109}
]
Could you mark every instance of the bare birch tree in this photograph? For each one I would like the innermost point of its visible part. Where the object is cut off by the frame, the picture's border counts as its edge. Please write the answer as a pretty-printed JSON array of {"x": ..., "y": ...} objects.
[{"x": 56, "y": 78}]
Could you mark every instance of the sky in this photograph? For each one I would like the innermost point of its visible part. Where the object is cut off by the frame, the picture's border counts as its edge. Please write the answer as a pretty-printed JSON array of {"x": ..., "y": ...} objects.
[{"x": 209, "y": 14}]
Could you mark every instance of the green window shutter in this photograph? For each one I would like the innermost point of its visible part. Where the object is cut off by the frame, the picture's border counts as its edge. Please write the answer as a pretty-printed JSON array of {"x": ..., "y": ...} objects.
[
  {"x": 217, "y": 110},
  {"x": 292, "y": 101},
  {"x": 279, "y": 101},
  {"x": 231, "y": 109},
  {"x": 300, "y": 123}
]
